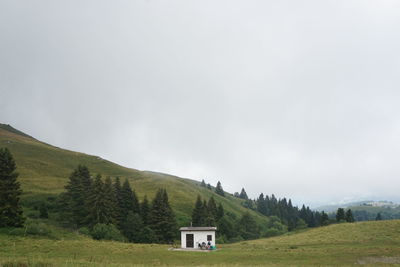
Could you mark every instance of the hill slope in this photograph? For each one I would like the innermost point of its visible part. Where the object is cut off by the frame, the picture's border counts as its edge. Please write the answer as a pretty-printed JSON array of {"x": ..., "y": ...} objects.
[
  {"x": 371, "y": 243},
  {"x": 44, "y": 169}
]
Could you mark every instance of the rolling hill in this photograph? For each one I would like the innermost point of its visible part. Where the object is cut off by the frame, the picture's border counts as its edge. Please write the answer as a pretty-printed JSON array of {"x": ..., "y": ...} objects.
[{"x": 44, "y": 170}]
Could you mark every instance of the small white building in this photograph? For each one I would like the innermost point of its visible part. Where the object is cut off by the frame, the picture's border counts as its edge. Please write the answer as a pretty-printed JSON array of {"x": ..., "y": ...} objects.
[{"x": 191, "y": 237}]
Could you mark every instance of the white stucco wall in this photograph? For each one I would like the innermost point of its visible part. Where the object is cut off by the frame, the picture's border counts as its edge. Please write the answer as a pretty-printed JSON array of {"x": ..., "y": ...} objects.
[{"x": 198, "y": 237}]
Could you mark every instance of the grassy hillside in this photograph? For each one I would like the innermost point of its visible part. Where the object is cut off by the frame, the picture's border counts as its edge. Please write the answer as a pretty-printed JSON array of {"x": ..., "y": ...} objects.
[
  {"x": 44, "y": 169},
  {"x": 370, "y": 243}
]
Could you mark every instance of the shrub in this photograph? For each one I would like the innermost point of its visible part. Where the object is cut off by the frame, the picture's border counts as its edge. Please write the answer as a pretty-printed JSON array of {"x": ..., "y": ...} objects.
[
  {"x": 84, "y": 231},
  {"x": 37, "y": 228},
  {"x": 107, "y": 232}
]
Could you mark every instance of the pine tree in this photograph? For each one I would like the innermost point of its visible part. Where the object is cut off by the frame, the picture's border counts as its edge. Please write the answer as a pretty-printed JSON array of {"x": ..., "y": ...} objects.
[
  {"x": 119, "y": 210},
  {"x": 10, "y": 209},
  {"x": 340, "y": 215},
  {"x": 132, "y": 228},
  {"x": 203, "y": 183},
  {"x": 74, "y": 201},
  {"x": 162, "y": 218},
  {"x": 198, "y": 216},
  {"x": 219, "y": 189},
  {"x": 101, "y": 206},
  {"x": 145, "y": 211},
  {"x": 243, "y": 194},
  {"x": 130, "y": 201},
  {"x": 220, "y": 212},
  {"x": 324, "y": 219},
  {"x": 209, "y": 219},
  {"x": 261, "y": 204},
  {"x": 212, "y": 207},
  {"x": 209, "y": 187},
  {"x": 378, "y": 217},
  {"x": 349, "y": 216}
]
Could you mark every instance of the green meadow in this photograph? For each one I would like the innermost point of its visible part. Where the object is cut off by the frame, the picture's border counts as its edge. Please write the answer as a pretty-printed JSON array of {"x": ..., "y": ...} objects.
[{"x": 365, "y": 243}]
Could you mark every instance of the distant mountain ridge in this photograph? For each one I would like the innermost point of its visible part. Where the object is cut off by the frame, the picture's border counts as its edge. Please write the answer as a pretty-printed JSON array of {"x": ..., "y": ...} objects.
[{"x": 365, "y": 203}]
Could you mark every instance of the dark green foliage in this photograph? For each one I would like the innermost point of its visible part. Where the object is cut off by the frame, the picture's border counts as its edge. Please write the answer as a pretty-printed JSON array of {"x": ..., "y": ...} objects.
[
  {"x": 148, "y": 235},
  {"x": 248, "y": 228},
  {"x": 262, "y": 205},
  {"x": 132, "y": 228},
  {"x": 349, "y": 216},
  {"x": 212, "y": 208},
  {"x": 145, "y": 211},
  {"x": 378, "y": 217},
  {"x": 243, "y": 194},
  {"x": 120, "y": 214},
  {"x": 162, "y": 218},
  {"x": 203, "y": 183},
  {"x": 129, "y": 199},
  {"x": 225, "y": 227},
  {"x": 74, "y": 201},
  {"x": 198, "y": 215},
  {"x": 107, "y": 232},
  {"x": 219, "y": 189},
  {"x": 10, "y": 209},
  {"x": 43, "y": 212},
  {"x": 209, "y": 187},
  {"x": 340, "y": 215},
  {"x": 324, "y": 219},
  {"x": 220, "y": 212},
  {"x": 101, "y": 203}
]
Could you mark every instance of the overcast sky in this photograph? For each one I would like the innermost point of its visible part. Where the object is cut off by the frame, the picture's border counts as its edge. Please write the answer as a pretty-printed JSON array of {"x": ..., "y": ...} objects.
[{"x": 296, "y": 98}]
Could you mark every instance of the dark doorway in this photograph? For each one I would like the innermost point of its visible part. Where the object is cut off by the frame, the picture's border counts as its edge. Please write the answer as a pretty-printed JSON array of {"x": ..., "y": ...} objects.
[{"x": 189, "y": 240}]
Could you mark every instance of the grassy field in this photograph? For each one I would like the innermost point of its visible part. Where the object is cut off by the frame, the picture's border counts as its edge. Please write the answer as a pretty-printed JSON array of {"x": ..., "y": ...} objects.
[
  {"x": 44, "y": 170},
  {"x": 370, "y": 243}
]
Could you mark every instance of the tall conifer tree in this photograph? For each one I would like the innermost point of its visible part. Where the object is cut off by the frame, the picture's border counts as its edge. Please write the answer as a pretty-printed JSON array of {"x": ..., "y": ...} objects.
[{"x": 10, "y": 209}]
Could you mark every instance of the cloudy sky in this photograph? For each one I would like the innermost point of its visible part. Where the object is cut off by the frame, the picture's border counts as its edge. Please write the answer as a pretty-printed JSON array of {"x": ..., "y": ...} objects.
[{"x": 296, "y": 98}]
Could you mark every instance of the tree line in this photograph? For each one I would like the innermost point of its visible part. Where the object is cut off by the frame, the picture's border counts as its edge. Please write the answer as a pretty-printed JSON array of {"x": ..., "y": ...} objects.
[{"x": 99, "y": 206}]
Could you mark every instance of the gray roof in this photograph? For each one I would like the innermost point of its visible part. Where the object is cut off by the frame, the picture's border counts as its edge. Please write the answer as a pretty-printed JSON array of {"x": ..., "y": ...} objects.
[{"x": 198, "y": 228}]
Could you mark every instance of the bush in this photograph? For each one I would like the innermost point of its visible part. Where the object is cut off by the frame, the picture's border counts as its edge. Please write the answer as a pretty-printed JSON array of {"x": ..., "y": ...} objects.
[
  {"x": 37, "y": 228},
  {"x": 84, "y": 231},
  {"x": 272, "y": 232},
  {"x": 106, "y": 232}
]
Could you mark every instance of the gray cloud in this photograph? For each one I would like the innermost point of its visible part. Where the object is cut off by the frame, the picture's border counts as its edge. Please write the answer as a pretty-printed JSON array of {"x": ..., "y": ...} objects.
[{"x": 296, "y": 98}]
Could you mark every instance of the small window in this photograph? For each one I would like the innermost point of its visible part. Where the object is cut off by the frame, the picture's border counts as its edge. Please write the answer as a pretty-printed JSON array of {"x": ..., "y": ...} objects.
[{"x": 209, "y": 237}]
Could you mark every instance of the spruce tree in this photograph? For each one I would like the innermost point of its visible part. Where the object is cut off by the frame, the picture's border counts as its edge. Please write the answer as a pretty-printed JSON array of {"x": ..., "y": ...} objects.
[
  {"x": 145, "y": 210},
  {"x": 130, "y": 201},
  {"x": 162, "y": 218},
  {"x": 203, "y": 183},
  {"x": 324, "y": 219},
  {"x": 220, "y": 212},
  {"x": 198, "y": 216},
  {"x": 132, "y": 228},
  {"x": 378, "y": 217},
  {"x": 74, "y": 201},
  {"x": 101, "y": 206},
  {"x": 340, "y": 215},
  {"x": 209, "y": 187},
  {"x": 349, "y": 216},
  {"x": 262, "y": 205},
  {"x": 212, "y": 208},
  {"x": 219, "y": 189},
  {"x": 209, "y": 219},
  {"x": 243, "y": 194},
  {"x": 10, "y": 209},
  {"x": 119, "y": 210}
]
